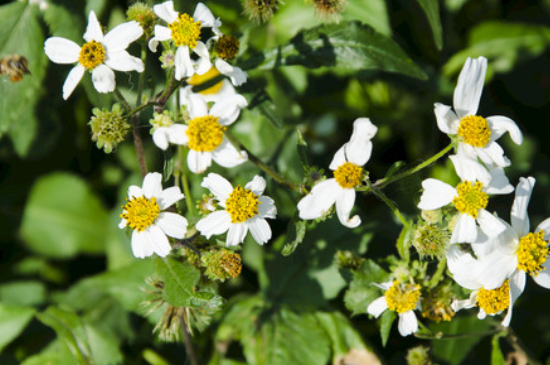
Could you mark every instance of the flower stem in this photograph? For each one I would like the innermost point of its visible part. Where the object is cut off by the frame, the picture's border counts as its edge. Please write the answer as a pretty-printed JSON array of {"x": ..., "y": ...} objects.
[
  {"x": 442, "y": 336},
  {"x": 182, "y": 167},
  {"x": 268, "y": 170},
  {"x": 378, "y": 192},
  {"x": 382, "y": 183},
  {"x": 191, "y": 356}
]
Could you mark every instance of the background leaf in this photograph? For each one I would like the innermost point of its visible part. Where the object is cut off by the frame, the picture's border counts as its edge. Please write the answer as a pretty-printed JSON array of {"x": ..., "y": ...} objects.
[
  {"x": 12, "y": 322},
  {"x": 431, "y": 8}
]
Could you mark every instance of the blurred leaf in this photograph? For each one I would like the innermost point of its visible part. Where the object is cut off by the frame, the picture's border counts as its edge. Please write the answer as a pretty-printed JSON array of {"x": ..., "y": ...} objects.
[
  {"x": 55, "y": 353},
  {"x": 22, "y": 293},
  {"x": 386, "y": 320},
  {"x": 64, "y": 22},
  {"x": 496, "y": 354},
  {"x": 345, "y": 48},
  {"x": 104, "y": 346},
  {"x": 431, "y": 9},
  {"x": 288, "y": 160},
  {"x": 294, "y": 235},
  {"x": 301, "y": 145},
  {"x": 12, "y": 322},
  {"x": 98, "y": 6},
  {"x": 361, "y": 291},
  {"x": 503, "y": 43},
  {"x": 372, "y": 12},
  {"x": 260, "y": 101},
  {"x": 63, "y": 218}
]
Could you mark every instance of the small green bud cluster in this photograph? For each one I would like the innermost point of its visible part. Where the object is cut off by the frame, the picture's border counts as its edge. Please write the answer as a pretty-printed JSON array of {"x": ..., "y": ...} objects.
[
  {"x": 419, "y": 356},
  {"x": 108, "y": 127},
  {"x": 144, "y": 15},
  {"x": 348, "y": 260},
  {"x": 221, "y": 264},
  {"x": 432, "y": 236}
]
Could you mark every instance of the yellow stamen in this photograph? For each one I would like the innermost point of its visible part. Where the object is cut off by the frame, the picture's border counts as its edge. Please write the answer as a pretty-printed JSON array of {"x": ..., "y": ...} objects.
[
  {"x": 348, "y": 175},
  {"x": 402, "y": 298},
  {"x": 140, "y": 213},
  {"x": 242, "y": 205},
  {"x": 185, "y": 31},
  {"x": 494, "y": 301},
  {"x": 205, "y": 133},
  {"x": 92, "y": 54},
  {"x": 474, "y": 130},
  {"x": 470, "y": 198},
  {"x": 532, "y": 253}
]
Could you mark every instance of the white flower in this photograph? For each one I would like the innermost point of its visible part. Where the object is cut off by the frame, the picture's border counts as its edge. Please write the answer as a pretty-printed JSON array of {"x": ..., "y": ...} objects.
[
  {"x": 204, "y": 133},
  {"x": 478, "y": 135},
  {"x": 517, "y": 250},
  {"x": 470, "y": 198},
  {"x": 348, "y": 173},
  {"x": 101, "y": 54},
  {"x": 245, "y": 209},
  {"x": 235, "y": 74},
  {"x": 402, "y": 298},
  {"x": 184, "y": 31},
  {"x": 466, "y": 272},
  {"x": 143, "y": 213}
]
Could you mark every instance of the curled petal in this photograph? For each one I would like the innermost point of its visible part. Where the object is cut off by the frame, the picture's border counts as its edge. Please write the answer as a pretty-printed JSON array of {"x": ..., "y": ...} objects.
[
  {"x": 319, "y": 200},
  {"x": 518, "y": 214},
  {"x": 344, "y": 205},
  {"x": 500, "y": 125},
  {"x": 358, "y": 149},
  {"x": 166, "y": 11}
]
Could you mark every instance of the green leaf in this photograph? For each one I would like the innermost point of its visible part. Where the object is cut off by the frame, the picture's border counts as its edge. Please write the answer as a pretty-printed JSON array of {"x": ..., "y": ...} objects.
[
  {"x": 260, "y": 101},
  {"x": 346, "y": 48},
  {"x": 386, "y": 320},
  {"x": 372, "y": 12},
  {"x": 55, "y": 353},
  {"x": 361, "y": 291},
  {"x": 294, "y": 236},
  {"x": 63, "y": 218},
  {"x": 23, "y": 293},
  {"x": 12, "y": 322},
  {"x": 431, "y": 8},
  {"x": 496, "y": 354},
  {"x": 301, "y": 145}
]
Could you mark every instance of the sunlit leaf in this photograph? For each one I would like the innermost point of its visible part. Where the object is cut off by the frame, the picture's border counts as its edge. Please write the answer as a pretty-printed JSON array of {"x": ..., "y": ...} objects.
[{"x": 13, "y": 320}]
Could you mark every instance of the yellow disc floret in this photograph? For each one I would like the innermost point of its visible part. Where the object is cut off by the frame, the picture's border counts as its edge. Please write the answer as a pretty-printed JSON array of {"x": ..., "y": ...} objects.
[
  {"x": 197, "y": 80},
  {"x": 402, "y": 298},
  {"x": 141, "y": 212},
  {"x": 532, "y": 253},
  {"x": 474, "y": 130},
  {"x": 205, "y": 133},
  {"x": 227, "y": 47},
  {"x": 348, "y": 175},
  {"x": 241, "y": 205},
  {"x": 494, "y": 301},
  {"x": 92, "y": 54},
  {"x": 185, "y": 31},
  {"x": 470, "y": 198}
]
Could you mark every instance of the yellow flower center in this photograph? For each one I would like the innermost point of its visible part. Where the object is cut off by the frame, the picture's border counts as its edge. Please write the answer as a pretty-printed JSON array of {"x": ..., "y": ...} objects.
[
  {"x": 241, "y": 205},
  {"x": 474, "y": 130},
  {"x": 227, "y": 47},
  {"x": 185, "y": 31},
  {"x": 532, "y": 253},
  {"x": 141, "y": 212},
  {"x": 402, "y": 298},
  {"x": 205, "y": 133},
  {"x": 494, "y": 301},
  {"x": 348, "y": 175},
  {"x": 92, "y": 54},
  {"x": 197, "y": 80},
  {"x": 470, "y": 198}
]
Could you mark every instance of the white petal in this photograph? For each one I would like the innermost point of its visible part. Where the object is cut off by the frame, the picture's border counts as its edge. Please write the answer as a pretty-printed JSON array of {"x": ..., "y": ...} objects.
[
  {"x": 120, "y": 37},
  {"x": 319, "y": 200},
  {"x": 267, "y": 208},
  {"x": 491, "y": 225},
  {"x": 168, "y": 197},
  {"x": 260, "y": 230},
  {"x": 469, "y": 87},
  {"x": 344, "y": 205},
  {"x": 543, "y": 278},
  {"x": 226, "y": 155},
  {"x": 496, "y": 267},
  {"x": 183, "y": 63},
  {"x": 198, "y": 162},
  {"x": 134, "y": 192},
  {"x": 257, "y": 185},
  {"x": 204, "y": 15},
  {"x": 152, "y": 186},
  {"x": 465, "y": 304},
  {"x": 377, "y": 307},
  {"x": 166, "y": 11},
  {"x": 122, "y": 224},
  {"x": 237, "y": 75},
  {"x": 517, "y": 284},
  {"x": 500, "y": 125},
  {"x": 447, "y": 121},
  {"x": 172, "y": 224},
  {"x": 219, "y": 186},
  {"x": 358, "y": 149},
  {"x": 161, "y": 34},
  {"x": 73, "y": 78},
  {"x": 197, "y": 106},
  {"x": 339, "y": 158},
  {"x": 141, "y": 247},
  {"x": 436, "y": 194},
  {"x": 61, "y": 50},
  {"x": 160, "y": 138},
  {"x": 544, "y": 226},
  {"x": 93, "y": 31},
  {"x": 201, "y": 51},
  {"x": 470, "y": 170},
  {"x": 203, "y": 64},
  {"x": 176, "y": 134},
  {"x": 518, "y": 214},
  {"x": 123, "y": 61},
  {"x": 103, "y": 78},
  {"x": 465, "y": 229},
  {"x": 464, "y": 267},
  {"x": 159, "y": 241},
  {"x": 214, "y": 223},
  {"x": 236, "y": 234},
  {"x": 407, "y": 324},
  {"x": 495, "y": 153},
  {"x": 228, "y": 109},
  {"x": 499, "y": 183}
]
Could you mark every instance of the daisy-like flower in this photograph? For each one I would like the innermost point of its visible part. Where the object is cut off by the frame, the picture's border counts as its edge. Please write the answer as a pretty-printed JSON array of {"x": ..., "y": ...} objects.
[
  {"x": 204, "y": 134},
  {"x": 226, "y": 48},
  {"x": 477, "y": 135},
  {"x": 466, "y": 272},
  {"x": 348, "y": 173},
  {"x": 402, "y": 298},
  {"x": 470, "y": 198},
  {"x": 144, "y": 214},
  {"x": 100, "y": 55},
  {"x": 245, "y": 209},
  {"x": 518, "y": 251},
  {"x": 185, "y": 32}
]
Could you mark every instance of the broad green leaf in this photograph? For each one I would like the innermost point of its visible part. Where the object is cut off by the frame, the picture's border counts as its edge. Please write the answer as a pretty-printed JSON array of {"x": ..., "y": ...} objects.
[
  {"x": 361, "y": 291},
  {"x": 431, "y": 9},
  {"x": 13, "y": 320},
  {"x": 22, "y": 293},
  {"x": 346, "y": 48},
  {"x": 496, "y": 354},
  {"x": 386, "y": 320},
  {"x": 63, "y": 218}
]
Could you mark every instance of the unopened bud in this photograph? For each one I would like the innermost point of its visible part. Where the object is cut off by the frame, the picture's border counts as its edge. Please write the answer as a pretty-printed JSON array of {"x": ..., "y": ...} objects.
[
  {"x": 108, "y": 127},
  {"x": 144, "y": 15},
  {"x": 431, "y": 240}
]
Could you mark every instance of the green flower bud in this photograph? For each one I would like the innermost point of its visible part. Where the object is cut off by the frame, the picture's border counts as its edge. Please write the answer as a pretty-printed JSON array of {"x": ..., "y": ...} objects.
[
  {"x": 163, "y": 119},
  {"x": 108, "y": 127},
  {"x": 144, "y": 15},
  {"x": 432, "y": 216},
  {"x": 167, "y": 59},
  {"x": 418, "y": 356},
  {"x": 431, "y": 240}
]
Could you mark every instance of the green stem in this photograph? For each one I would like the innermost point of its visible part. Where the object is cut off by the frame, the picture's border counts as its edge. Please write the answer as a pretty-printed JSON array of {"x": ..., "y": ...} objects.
[
  {"x": 122, "y": 100},
  {"x": 436, "y": 277},
  {"x": 389, "y": 203},
  {"x": 268, "y": 170},
  {"x": 185, "y": 181},
  {"x": 442, "y": 336},
  {"x": 141, "y": 75},
  {"x": 382, "y": 183}
]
